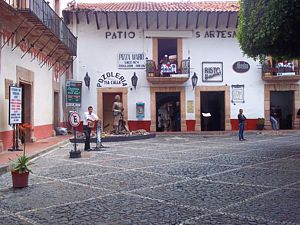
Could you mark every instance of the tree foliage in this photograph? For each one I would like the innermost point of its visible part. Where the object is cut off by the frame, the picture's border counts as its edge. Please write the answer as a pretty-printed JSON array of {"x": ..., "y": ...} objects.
[{"x": 270, "y": 27}]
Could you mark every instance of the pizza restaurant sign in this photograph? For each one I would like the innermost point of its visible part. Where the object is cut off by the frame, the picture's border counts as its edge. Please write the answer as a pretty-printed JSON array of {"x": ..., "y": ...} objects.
[
  {"x": 131, "y": 61},
  {"x": 111, "y": 79}
]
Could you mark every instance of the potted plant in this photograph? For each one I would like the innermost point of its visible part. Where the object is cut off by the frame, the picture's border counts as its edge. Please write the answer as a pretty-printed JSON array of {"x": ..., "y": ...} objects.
[
  {"x": 260, "y": 123},
  {"x": 19, "y": 169}
]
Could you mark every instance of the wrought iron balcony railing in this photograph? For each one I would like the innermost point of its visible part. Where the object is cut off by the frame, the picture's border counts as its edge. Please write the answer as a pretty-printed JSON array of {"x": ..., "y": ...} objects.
[
  {"x": 169, "y": 73},
  {"x": 49, "y": 18}
]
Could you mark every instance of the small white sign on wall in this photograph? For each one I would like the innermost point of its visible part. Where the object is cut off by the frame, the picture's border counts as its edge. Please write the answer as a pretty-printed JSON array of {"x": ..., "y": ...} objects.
[
  {"x": 131, "y": 60},
  {"x": 237, "y": 93}
]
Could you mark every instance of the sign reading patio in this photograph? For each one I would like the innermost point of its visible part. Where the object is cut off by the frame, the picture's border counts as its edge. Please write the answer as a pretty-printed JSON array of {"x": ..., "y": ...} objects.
[
  {"x": 212, "y": 71},
  {"x": 73, "y": 93},
  {"x": 111, "y": 79},
  {"x": 131, "y": 61}
]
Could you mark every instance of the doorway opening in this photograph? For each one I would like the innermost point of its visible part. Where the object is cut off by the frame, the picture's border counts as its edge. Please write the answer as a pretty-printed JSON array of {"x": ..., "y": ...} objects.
[
  {"x": 107, "y": 104},
  {"x": 167, "y": 56},
  {"x": 281, "y": 102},
  {"x": 168, "y": 111},
  {"x": 56, "y": 117},
  {"x": 26, "y": 107},
  {"x": 212, "y": 110}
]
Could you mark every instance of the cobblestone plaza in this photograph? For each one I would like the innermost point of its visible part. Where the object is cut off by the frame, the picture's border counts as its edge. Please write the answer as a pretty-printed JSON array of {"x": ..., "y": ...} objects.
[{"x": 188, "y": 179}]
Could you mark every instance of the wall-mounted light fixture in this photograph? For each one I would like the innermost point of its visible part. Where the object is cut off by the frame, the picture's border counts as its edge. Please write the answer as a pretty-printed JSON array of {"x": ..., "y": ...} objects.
[
  {"x": 134, "y": 80},
  {"x": 87, "y": 80},
  {"x": 194, "y": 80}
]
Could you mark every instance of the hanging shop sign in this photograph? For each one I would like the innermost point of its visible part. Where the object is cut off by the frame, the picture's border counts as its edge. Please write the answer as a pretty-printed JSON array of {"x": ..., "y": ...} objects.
[
  {"x": 131, "y": 61},
  {"x": 237, "y": 93},
  {"x": 241, "y": 66},
  {"x": 111, "y": 79},
  {"x": 73, "y": 93},
  {"x": 212, "y": 71},
  {"x": 15, "y": 105}
]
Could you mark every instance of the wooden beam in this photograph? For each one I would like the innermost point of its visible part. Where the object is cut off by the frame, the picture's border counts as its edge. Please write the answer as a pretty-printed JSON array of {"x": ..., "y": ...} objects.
[
  {"x": 197, "y": 21},
  {"x": 157, "y": 20},
  {"x": 117, "y": 20},
  {"x": 97, "y": 21},
  {"x": 87, "y": 17},
  {"x": 217, "y": 21},
  {"x": 77, "y": 17},
  {"x": 126, "y": 17},
  {"x": 147, "y": 25},
  {"x": 167, "y": 20},
  {"x": 137, "y": 20},
  {"x": 237, "y": 21},
  {"x": 187, "y": 20},
  {"x": 107, "y": 22},
  {"x": 228, "y": 19},
  {"x": 207, "y": 18},
  {"x": 177, "y": 20}
]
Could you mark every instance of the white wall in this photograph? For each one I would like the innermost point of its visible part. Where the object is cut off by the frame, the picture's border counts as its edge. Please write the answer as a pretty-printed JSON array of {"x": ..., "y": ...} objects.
[
  {"x": 98, "y": 55},
  {"x": 42, "y": 86},
  {"x": 227, "y": 50}
]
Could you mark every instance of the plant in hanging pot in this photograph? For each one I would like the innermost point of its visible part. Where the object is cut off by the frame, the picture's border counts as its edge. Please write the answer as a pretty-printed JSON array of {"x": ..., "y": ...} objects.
[
  {"x": 20, "y": 167},
  {"x": 20, "y": 171}
]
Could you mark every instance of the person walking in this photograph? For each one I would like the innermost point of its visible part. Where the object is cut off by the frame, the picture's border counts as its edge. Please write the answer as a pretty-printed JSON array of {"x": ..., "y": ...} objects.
[
  {"x": 88, "y": 123},
  {"x": 242, "y": 120}
]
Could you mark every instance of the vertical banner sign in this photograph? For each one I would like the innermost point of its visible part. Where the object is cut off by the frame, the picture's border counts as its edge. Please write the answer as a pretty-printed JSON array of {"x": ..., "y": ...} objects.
[
  {"x": 15, "y": 105},
  {"x": 73, "y": 93}
]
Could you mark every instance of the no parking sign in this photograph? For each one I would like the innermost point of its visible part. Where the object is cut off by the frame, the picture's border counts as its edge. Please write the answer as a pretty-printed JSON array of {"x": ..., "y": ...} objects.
[{"x": 74, "y": 119}]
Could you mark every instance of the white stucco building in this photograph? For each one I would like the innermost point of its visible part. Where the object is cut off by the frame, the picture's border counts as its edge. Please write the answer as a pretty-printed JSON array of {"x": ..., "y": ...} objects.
[
  {"x": 36, "y": 48},
  {"x": 118, "y": 40}
]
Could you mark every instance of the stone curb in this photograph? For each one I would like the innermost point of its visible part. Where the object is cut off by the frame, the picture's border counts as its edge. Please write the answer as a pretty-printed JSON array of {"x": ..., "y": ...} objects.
[
  {"x": 5, "y": 168},
  {"x": 229, "y": 133}
]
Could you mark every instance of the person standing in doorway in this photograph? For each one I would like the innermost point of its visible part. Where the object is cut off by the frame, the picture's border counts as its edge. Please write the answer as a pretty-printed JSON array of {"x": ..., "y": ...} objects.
[
  {"x": 177, "y": 116},
  {"x": 89, "y": 121},
  {"x": 242, "y": 120},
  {"x": 273, "y": 120}
]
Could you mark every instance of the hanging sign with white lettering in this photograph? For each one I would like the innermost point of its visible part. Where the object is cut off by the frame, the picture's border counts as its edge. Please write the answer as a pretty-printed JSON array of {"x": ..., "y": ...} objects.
[
  {"x": 131, "y": 61},
  {"x": 241, "y": 66}
]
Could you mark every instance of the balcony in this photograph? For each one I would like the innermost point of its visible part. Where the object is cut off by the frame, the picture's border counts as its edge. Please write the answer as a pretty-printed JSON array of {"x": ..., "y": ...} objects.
[
  {"x": 280, "y": 73},
  {"x": 35, "y": 18},
  {"x": 168, "y": 73}
]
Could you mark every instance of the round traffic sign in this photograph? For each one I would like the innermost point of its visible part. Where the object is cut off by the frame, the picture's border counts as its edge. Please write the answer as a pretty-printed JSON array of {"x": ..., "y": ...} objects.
[{"x": 74, "y": 119}]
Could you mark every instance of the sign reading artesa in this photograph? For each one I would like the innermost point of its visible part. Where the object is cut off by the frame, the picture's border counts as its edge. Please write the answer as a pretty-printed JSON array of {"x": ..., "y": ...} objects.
[{"x": 131, "y": 61}]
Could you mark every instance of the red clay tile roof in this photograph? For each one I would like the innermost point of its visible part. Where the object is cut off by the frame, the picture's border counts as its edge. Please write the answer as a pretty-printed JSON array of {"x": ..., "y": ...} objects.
[{"x": 156, "y": 6}]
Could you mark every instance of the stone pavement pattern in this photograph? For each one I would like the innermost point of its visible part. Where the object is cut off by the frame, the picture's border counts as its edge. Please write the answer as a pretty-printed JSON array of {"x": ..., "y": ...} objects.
[{"x": 165, "y": 180}]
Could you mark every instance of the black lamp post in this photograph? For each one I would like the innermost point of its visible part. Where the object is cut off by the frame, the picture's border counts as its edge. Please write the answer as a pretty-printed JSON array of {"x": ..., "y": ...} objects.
[
  {"x": 87, "y": 80},
  {"x": 194, "y": 80},
  {"x": 134, "y": 80}
]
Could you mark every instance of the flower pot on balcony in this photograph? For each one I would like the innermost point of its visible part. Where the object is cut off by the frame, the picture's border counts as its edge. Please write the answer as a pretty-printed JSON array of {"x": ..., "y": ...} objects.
[{"x": 19, "y": 180}]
